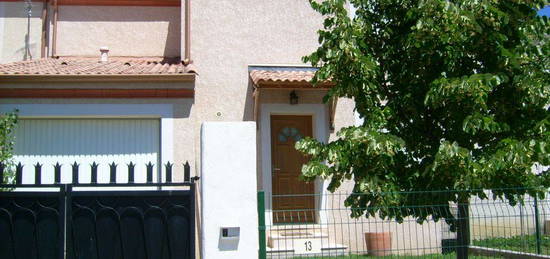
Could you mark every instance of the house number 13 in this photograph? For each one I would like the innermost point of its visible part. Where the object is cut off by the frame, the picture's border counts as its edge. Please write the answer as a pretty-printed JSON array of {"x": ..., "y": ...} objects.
[{"x": 308, "y": 246}]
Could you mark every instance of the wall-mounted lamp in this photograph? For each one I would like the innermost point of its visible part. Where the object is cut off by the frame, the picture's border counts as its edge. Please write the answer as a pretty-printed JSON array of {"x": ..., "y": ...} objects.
[{"x": 293, "y": 97}]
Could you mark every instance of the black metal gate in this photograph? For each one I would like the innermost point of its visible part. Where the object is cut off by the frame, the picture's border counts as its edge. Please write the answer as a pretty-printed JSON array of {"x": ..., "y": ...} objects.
[{"x": 66, "y": 221}]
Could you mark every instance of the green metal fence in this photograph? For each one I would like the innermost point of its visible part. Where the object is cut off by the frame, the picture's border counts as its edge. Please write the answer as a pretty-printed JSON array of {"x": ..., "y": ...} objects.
[{"x": 488, "y": 228}]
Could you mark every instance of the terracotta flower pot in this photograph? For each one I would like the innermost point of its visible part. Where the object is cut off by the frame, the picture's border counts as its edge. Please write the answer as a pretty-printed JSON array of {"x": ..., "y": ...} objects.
[{"x": 378, "y": 244}]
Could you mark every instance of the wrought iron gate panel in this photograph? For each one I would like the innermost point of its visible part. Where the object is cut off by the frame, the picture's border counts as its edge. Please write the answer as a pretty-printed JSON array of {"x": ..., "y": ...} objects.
[
  {"x": 31, "y": 225},
  {"x": 69, "y": 224},
  {"x": 153, "y": 224},
  {"x": 62, "y": 221}
]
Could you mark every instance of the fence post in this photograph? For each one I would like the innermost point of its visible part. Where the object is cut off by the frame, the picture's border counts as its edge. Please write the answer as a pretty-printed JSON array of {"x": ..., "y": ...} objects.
[
  {"x": 463, "y": 231},
  {"x": 62, "y": 220},
  {"x": 131, "y": 167},
  {"x": 168, "y": 172},
  {"x": 19, "y": 173},
  {"x": 537, "y": 225},
  {"x": 37, "y": 173},
  {"x": 75, "y": 173},
  {"x": 57, "y": 173},
  {"x": 112, "y": 172},
  {"x": 2, "y": 167},
  {"x": 261, "y": 225},
  {"x": 69, "y": 251},
  {"x": 192, "y": 206},
  {"x": 94, "y": 172},
  {"x": 149, "y": 172},
  {"x": 186, "y": 172}
]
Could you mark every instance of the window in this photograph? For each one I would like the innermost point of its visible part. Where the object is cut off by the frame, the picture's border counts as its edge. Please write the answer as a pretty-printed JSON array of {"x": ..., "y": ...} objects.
[{"x": 289, "y": 132}]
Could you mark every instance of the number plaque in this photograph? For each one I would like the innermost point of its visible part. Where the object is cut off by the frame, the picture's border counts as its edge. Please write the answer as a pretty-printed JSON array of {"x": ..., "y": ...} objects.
[{"x": 307, "y": 246}]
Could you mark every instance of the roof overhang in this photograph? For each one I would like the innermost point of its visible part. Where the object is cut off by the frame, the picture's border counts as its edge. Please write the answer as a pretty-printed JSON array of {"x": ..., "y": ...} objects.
[
  {"x": 287, "y": 78},
  {"x": 60, "y": 78},
  {"x": 87, "y": 93},
  {"x": 121, "y": 2},
  {"x": 293, "y": 85}
]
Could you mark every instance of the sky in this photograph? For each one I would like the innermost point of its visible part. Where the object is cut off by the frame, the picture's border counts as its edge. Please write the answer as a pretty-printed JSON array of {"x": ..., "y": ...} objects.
[{"x": 545, "y": 11}]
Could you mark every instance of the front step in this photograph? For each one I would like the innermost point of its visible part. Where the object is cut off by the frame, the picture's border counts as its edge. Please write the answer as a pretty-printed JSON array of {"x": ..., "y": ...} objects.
[
  {"x": 280, "y": 241},
  {"x": 284, "y": 239},
  {"x": 328, "y": 250}
]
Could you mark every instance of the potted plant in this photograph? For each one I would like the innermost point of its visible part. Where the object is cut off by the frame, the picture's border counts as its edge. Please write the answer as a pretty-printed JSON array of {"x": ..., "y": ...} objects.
[{"x": 378, "y": 244}]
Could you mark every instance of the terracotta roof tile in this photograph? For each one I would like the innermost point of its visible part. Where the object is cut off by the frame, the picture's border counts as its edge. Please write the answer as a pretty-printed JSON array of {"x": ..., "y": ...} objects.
[
  {"x": 92, "y": 66},
  {"x": 282, "y": 77}
]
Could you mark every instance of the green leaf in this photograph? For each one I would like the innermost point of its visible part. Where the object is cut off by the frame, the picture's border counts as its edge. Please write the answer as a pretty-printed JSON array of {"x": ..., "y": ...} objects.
[{"x": 454, "y": 95}]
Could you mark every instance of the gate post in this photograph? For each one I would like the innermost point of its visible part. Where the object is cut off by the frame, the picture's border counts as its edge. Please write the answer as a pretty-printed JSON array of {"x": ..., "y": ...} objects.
[
  {"x": 68, "y": 220},
  {"x": 261, "y": 225},
  {"x": 229, "y": 190},
  {"x": 192, "y": 215},
  {"x": 537, "y": 226},
  {"x": 62, "y": 221},
  {"x": 463, "y": 231}
]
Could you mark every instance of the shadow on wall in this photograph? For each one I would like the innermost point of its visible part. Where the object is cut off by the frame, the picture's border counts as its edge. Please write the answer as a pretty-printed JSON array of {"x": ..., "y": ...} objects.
[
  {"x": 248, "y": 113},
  {"x": 173, "y": 39},
  {"x": 23, "y": 35},
  {"x": 28, "y": 48},
  {"x": 18, "y": 9}
]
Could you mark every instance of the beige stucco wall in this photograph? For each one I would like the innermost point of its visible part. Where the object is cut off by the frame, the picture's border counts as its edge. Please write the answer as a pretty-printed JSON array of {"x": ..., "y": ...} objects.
[
  {"x": 127, "y": 30},
  {"x": 13, "y": 30},
  {"x": 228, "y": 36}
]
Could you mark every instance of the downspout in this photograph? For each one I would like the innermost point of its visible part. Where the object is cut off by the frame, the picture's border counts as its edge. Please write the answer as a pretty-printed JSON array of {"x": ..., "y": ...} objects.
[
  {"x": 54, "y": 40},
  {"x": 28, "y": 54},
  {"x": 44, "y": 28},
  {"x": 187, "y": 59}
]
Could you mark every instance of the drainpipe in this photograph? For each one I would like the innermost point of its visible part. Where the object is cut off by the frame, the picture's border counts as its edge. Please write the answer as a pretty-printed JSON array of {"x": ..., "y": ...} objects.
[
  {"x": 28, "y": 54},
  {"x": 54, "y": 40},
  {"x": 187, "y": 59},
  {"x": 44, "y": 28}
]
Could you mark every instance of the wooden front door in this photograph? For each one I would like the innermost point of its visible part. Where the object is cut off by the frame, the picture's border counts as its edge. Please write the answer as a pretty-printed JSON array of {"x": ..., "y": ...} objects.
[{"x": 293, "y": 198}]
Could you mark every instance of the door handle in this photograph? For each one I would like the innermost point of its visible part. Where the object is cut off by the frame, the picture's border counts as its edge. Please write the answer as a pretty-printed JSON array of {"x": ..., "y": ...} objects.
[{"x": 276, "y": 169}]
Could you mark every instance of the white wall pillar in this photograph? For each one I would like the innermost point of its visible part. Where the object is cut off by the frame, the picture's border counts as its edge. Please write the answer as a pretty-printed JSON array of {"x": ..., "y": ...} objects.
[{"x": 228, "y": 190}]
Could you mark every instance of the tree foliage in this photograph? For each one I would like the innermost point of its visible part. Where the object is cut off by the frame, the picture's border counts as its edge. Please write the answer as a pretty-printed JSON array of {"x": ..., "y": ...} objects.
[
  {"x": 454, "y": 96},
  {"x": 8, "y": 122}
]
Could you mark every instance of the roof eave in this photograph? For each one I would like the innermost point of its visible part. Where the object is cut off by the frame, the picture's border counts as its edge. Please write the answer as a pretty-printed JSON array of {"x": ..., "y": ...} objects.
[
  {"x": 34, "y": 78},
  {"x": 293, "y": 85}
]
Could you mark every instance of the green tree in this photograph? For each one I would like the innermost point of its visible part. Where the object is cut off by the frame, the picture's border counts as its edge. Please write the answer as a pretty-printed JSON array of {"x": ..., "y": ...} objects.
[
  {"x": 454, "y": 96},
  {"x": 8, "y": 122}
]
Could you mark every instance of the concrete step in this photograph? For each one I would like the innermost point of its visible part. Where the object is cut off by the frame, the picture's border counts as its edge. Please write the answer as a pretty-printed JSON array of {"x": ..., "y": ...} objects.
[
  {"x": 326, "y": 250},
  {"x": 284, "y": 227},
  {"x": 285, "y": 239}
]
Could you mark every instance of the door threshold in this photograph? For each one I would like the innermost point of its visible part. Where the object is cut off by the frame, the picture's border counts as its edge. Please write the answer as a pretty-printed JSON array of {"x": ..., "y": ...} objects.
[{"x": 296, "y": 226}]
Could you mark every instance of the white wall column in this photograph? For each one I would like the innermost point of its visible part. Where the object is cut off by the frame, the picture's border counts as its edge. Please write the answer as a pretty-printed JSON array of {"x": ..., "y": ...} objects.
[{"x": 228, "y": 190}]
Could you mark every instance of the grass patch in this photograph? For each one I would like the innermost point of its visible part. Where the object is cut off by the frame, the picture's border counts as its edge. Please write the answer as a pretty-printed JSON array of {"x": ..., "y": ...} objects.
[
  {"x": 526, "y": 244},
  {"x": 428, "y": 256}
]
